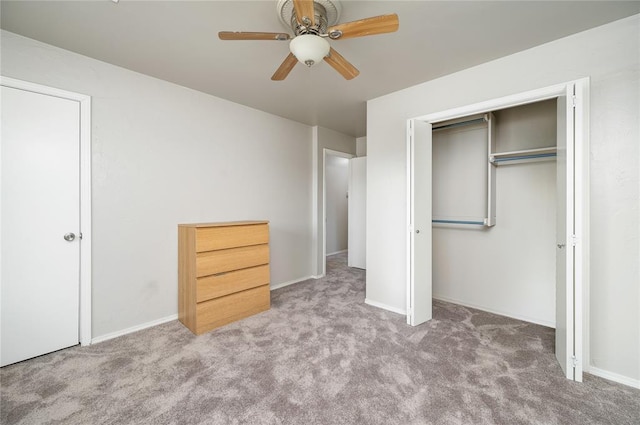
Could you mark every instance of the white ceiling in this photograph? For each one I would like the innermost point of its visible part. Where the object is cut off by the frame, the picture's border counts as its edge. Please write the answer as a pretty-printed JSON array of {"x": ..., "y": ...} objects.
[{"x": 177, "y": 41}]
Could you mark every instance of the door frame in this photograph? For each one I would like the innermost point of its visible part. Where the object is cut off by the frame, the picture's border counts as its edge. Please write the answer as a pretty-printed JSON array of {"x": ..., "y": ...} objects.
[
  {"x": 84, "y": 101},
  {"x": 326, "y": 152},
  {"x": 577, "y": 92}
]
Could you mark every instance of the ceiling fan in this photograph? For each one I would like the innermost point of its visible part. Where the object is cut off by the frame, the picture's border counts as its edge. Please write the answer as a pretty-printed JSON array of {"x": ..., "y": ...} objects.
[{"x": 312, "y": 23}]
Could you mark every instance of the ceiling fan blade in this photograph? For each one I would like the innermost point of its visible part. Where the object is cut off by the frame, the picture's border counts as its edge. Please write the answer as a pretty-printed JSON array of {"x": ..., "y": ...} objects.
[
  {"x": 237, "y": 35},
  {"x": 304, "y": 8},
  {"x": 369, "y": 26},
  {"x": 341, "y": 65},
  {"x": 285, "y": 68}
]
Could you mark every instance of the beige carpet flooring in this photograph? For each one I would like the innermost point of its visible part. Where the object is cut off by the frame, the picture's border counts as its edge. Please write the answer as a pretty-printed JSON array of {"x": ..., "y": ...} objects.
[{"x": 319, "y": 356}]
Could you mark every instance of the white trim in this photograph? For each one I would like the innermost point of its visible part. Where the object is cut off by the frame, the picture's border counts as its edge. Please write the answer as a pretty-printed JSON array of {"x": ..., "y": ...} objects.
[
  {"x": 318, "y": 276},
  {"x": 314, "y": 199},
  {"x": 39, "y": 88},
  {"x": 498, "y": 312},
  {"x": 85, "y": 221},
  {"x": 499, "y": 103},
  {"x": 409, "y": 218},
  {"x": 337, "y": 252},
  {"x": 385, "y": 307},
  {"x": 133, "y": 329},
  {"x": 326, "y": 152},
  {"x": 611, "y": 376},
  {"x": 275, "y": 286},
  {"x": 584, "y": 249},
  {"x": 581, "y": 219},
  {"x": 84, "y": 331}
]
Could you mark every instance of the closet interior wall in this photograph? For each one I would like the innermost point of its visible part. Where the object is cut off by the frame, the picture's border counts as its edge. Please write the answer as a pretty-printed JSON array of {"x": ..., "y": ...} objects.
[{"x": 509, "y": 268}]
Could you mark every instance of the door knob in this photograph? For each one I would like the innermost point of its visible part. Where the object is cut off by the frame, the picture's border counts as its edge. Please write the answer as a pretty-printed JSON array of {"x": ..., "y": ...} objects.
[
  {"x": 69, "y": 237},
  {"x": 418, "y": 231},
  {"x": 561, "y": 245}
]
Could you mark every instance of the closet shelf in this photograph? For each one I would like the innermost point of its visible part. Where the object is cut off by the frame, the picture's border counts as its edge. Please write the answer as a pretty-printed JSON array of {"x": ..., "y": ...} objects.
[{"x": 527, "y": 155}]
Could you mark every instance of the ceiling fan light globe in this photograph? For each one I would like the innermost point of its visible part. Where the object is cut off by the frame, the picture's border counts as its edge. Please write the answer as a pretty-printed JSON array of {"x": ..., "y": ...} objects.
[{"x": 309, "y": 49}]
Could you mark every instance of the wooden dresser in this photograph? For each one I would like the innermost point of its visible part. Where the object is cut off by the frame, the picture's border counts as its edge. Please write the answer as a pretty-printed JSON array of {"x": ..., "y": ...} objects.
[{"x": 223, "y": 273}]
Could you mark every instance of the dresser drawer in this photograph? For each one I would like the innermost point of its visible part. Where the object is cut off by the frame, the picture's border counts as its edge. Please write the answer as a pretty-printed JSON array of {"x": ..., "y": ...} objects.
[
  {"x": 225, "y": 260},
  {"x": 213, "y": 238},
  {"x": 220, "y": 311},
  {"x": 219, "y": 285}
]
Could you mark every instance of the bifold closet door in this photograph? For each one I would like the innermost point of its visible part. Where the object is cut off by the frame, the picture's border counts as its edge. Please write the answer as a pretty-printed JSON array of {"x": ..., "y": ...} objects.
[
  {"x": 567, "y": 347},
  {"x": 40, "y": 284},
  {"x": 420, "y": 250}
]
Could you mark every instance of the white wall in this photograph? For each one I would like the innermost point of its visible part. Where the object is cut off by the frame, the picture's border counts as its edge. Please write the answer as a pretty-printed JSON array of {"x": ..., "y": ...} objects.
[
  {"x": 357, "y": 213},
  {"x": 489, "y": 268},
  {"x": 609, "y": 55},
  {"x": 162, "y": 155},
  {"x": 324, "y": 138},
  {"x": 361, "y": 146},
  {"x": 337, "y": 181}
]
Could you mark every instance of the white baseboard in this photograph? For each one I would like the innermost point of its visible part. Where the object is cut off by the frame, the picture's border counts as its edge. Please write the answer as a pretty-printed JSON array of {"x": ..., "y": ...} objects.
[
  {"x": 385, "y": 307},
  {"x": 501, "y": 313},
  {"x": 134, "y": 329},
  {"x": 290, "y": 282},
  {"x": 611, "y": 376},
  {"x": 337, "y": 252}
]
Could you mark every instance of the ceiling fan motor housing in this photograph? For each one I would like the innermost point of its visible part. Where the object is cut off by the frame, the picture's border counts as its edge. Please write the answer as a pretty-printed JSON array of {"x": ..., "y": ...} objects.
[{"x": 326, "y": 14}]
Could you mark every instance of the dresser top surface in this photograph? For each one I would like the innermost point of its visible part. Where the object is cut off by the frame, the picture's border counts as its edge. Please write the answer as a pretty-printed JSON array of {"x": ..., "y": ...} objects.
[{"x": 225, "y": 223}]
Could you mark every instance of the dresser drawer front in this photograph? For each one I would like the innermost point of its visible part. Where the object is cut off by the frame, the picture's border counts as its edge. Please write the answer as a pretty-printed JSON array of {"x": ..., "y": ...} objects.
[
  {"x": 225, "y": 260},
  {"x": 219, "y": 285},
  {"x": 213, "y": 238},
  {"x": 221, "y": 311}
]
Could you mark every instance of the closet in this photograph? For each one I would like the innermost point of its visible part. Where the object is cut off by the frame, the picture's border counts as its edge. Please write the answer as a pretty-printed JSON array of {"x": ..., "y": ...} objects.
[
  {"x": 494, "y": 211},
  {"x": 498, "y": 211}
]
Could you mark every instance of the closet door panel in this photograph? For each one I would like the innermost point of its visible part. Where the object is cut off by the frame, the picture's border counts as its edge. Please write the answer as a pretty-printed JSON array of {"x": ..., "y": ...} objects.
[
  {"x": 420, "y": 291},
  {"x": 565, "y": 349}
]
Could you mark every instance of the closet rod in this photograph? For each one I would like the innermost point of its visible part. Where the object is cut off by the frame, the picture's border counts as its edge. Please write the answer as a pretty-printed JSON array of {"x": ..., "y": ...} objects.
[
  {"x": 516, "y": 158},
  {"x": 459, "y": 124},
  {"x": 475, "y": 223}
]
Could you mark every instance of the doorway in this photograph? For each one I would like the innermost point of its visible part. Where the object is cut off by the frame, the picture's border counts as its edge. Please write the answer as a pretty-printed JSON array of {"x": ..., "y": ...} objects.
[
  {"x": 572, "y": 239},
  {"x": 335, "y": 203},
  {"x": 46, "y": 220}
]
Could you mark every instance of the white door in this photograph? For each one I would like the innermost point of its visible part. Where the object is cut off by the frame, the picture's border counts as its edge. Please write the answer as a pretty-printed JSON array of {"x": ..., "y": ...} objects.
[
  {"x": 420, "y": 257},
  {"x": 567, "y": 351},
  {"x": 357, "y": 240},
  {"x": 40, "y": 205}
]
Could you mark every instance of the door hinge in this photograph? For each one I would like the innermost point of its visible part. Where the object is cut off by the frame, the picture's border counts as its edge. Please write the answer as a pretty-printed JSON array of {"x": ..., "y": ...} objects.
[
  {"x": 574, "y": 240},
  {"x": 410, "y": 228},
  {"x": 574, "y": 361},
  {"x": 573, "y": 101}
]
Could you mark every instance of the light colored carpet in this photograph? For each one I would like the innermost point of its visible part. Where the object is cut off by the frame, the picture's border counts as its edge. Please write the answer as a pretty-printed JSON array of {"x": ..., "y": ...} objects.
[{"x": 319, "y": 356}]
